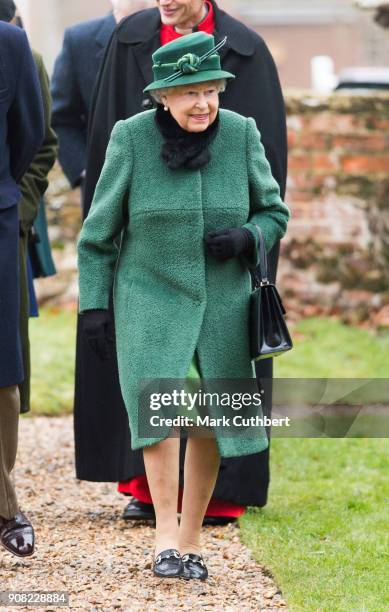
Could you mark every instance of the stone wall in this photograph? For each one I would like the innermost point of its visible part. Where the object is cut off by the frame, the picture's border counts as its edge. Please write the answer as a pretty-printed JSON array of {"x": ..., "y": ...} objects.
[{"x": 335, "y": 257}]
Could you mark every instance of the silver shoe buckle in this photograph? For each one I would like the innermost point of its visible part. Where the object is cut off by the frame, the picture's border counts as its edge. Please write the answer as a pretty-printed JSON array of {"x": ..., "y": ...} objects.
[
  {"x": 173, "y": 554},
  {"x": 186, "y": 558}
]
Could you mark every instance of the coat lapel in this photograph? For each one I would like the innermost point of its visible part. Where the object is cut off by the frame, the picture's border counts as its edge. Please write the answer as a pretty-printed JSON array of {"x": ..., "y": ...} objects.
[
  {"x": 142, "y": 32},
  {"x": 236, "y": 40},
  {"x": 103, "y": 35},
  {"x": 143, "y": 52},
  {"x": 107, "y": 27}
]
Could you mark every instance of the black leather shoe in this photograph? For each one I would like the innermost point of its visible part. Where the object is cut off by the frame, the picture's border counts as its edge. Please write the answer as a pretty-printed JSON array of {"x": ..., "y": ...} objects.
[
  {"x": 168, "y": 564},
  {"x": 138, "y": 511},
  {"x": 194, "y": 566},
  {"x": 17, "y": 535},
  {"x": 218, "y": 520}
]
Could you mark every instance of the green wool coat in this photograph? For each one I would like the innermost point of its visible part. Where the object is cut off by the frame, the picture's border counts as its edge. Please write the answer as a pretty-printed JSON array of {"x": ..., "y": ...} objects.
[{"x": 170, "y": 297}]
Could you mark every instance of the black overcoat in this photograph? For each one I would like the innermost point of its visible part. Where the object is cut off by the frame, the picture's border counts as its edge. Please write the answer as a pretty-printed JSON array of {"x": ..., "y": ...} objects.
[
  {"x": 21, "y": 133},
  {"x": 102, "y": 437}
]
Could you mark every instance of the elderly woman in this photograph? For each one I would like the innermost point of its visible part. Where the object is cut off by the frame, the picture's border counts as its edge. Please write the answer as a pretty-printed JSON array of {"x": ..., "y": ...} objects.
[{"x": 173, "y": 228}]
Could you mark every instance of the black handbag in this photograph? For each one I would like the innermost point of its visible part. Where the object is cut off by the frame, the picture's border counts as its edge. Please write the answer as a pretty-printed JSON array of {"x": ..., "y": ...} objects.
[{"x": 269, "y": 335}]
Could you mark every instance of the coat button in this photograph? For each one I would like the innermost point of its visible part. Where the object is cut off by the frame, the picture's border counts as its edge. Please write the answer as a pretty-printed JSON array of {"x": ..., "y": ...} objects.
[{"x": 147, "y": 104}]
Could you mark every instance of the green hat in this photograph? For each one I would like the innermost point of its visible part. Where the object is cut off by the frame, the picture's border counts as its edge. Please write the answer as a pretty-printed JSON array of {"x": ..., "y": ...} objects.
[{"x": 189, "y": 59}]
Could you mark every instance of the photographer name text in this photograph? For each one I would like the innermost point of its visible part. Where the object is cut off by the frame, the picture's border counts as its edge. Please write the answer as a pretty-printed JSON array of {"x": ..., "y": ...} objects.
[{"x": 223, "y": 421}]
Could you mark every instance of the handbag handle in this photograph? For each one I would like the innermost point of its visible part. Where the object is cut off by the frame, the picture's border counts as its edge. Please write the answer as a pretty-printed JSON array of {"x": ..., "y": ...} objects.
[{"x": 263, "y": 280}]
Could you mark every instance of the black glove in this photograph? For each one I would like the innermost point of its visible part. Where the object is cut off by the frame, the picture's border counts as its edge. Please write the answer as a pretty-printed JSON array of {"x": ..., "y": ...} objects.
[
  {"x": 228, "y": 243},
  {"x": 95, "y": 325}
]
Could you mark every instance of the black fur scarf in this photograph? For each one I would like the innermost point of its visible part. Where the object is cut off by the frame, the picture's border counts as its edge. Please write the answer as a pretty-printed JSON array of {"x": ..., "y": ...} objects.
[{"x": 182, "y": 149}]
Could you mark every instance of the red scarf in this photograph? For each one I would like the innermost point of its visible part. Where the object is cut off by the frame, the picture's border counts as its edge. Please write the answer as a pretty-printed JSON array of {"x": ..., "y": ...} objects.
[{"x": 168, "y": 33}]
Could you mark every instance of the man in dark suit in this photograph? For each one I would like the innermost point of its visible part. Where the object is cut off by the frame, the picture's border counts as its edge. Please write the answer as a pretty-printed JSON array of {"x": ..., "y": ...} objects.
[
  {"x": 74, "y": 77},
  {"x": 21, "y": 133}
]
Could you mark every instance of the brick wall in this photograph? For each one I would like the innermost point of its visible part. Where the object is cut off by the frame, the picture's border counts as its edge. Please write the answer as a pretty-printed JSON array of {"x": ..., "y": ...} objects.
[{"x": 335, "y": 257}]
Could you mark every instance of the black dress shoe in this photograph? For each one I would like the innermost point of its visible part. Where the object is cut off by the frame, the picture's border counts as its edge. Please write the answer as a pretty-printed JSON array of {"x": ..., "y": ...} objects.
[
  {"x": 194, "y": 566},
  {"x": 138, "y": 511},
  {"x": 17, "y": 535},
  {"x": 168, "y": 564},
  {"x": 219, "y": 520}
]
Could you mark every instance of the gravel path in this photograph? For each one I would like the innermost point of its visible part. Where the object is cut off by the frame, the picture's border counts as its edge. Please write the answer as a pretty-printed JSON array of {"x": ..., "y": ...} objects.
[{"x": 83, "y": 546}]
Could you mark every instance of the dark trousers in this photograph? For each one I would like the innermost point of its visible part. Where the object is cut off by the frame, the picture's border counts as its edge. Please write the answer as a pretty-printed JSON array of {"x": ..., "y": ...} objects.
[
  {"x": 24, "y": 317},
  {"x": 9, "y": 422}
]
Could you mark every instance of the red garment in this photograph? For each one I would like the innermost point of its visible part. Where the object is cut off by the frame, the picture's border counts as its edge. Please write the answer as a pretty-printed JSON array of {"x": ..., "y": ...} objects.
[
  {"x": 139, "y": 488},
  {"x": 168, "y": 33}
]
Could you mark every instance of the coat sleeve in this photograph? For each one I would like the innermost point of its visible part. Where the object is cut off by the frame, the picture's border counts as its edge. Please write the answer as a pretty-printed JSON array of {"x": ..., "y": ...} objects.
[
  {"x": 69, "y": 113},
  {"x": 97, "y": 248},
  {"x": 25, "y": 116},
  {"x": 35, "y": 182},
  {"x": 266, "y": 206}
]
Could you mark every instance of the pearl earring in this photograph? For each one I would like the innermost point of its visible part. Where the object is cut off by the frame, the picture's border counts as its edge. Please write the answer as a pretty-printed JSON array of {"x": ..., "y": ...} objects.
[{"x": 165, "y": 108}]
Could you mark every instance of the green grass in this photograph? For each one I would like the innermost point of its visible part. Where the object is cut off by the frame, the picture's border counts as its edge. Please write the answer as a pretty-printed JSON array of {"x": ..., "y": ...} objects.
[
  {"x": 324, "y": 532},
  {"x": 327, "y": 348},
  {"x": 52, "y": 337}
]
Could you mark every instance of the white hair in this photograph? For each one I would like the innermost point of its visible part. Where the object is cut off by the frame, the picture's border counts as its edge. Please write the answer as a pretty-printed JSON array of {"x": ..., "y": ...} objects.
[{"x": 158, "y": 93}]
